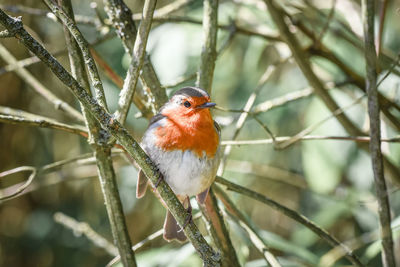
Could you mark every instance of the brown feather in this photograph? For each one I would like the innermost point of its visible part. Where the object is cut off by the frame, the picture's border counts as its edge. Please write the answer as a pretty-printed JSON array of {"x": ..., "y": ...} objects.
[
  {"x": 201, "y": 198},
  {"x": 172, "y": 230}
]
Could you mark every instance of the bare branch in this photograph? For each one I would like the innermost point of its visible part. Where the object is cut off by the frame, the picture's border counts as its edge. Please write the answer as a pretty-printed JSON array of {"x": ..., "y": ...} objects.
[
  {"x": 39, "y": 87},
  {"x": 42, "y": 122},
  {"x": 255, "y": 238},
  {"x": 83, "y": 228},
  {"x": 292, "y": 214},
  {"x": 368, "y": 10},
  {"x": 138, "y": 55},
  {"x": 302, "y": 60},
  {"x": 84, "y": 47},
  {"x": 359, "y": 139},
  {"x": 152, "y": 96},
  {"x": 243, "y": 116},
  {"x": 209, "y": 52},
  {"x": 21, "y": 188}
]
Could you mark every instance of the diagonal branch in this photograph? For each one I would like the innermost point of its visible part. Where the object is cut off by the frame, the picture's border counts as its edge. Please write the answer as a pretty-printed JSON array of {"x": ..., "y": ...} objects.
[
  {"x": 84, "y": 47},
  {"x": 302, "y": 60},
  {"x": 292, "y": 214},
  {"x": 208, "y": 255},
  {"x": 255, "y": 237},
  {"x": 152, "y": 96},
  {"x": 39, "y": 87},
  {"x": 138, "y": 55},
  {"x": 84, "y": 228}
]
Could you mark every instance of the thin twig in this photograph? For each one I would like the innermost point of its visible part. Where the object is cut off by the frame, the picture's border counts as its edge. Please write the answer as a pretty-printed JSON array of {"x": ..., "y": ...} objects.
[
  {"x": 208, "y": 255},
  {"x": 166, "y": 10},
  {"x": 382, "y": 17},
  {"x": 83, "y": 159},
  {"x": 152, "y": 95},
  {"x": 335, "y": 254},
  {"x": 39, "y": 87},
  {"x": 149, "y": 238},
  {"x": 218, "y": 230},
  {"x": 359, "y": 139},
  {"x": 327, "y": 23},
  {"x": 265, "y": 127},
  {"x": 255, "y": 237},
  {"x": 304, "y": 64},
  {"x": 292, "y": 214},
  {"x": 209, "y": 48},
  {"x": 243, "y": 116},
  {"x": 368, "y": 10},
  {"x": 45, "y": 13},
  {"x": 43, "y": 122},
  {"x": 314, "y": 126},
  {"x": 225, "y": 27},
  {"x": 84, "y": 47},
  {"x": 33, "y": 60},
  {"x": 21, "y": 188},
  {"x": 83, "y": 228},
  {"x": 137, "y": 59}
]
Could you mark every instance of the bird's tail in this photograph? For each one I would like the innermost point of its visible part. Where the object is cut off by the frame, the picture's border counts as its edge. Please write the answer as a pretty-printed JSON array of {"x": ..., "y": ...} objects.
[{"x": 172, "y": 230}]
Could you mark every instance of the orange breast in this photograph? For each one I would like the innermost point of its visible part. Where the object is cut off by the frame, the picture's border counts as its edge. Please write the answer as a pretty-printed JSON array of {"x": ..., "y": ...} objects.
[{"x": 194, "y": 132}]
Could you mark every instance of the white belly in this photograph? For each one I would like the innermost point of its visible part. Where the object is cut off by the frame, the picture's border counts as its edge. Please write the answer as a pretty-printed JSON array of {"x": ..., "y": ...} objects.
[{"x": 185, "y": 173}]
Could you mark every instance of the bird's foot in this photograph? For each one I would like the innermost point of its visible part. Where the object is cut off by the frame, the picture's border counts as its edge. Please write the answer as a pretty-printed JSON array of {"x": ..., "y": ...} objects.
[
  {"x": 189, "y": 217},
  {"x": 160, "y": 178}
]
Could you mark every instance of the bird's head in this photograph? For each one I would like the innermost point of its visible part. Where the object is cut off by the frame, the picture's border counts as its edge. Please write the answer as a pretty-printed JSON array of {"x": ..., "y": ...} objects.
[{"x": 189, "y": 104}]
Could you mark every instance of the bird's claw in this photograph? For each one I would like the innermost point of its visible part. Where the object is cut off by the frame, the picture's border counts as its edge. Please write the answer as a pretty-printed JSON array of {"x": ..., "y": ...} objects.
[
  {"x": 160, "y": 178},
  {"x": 188, "y": 218}
]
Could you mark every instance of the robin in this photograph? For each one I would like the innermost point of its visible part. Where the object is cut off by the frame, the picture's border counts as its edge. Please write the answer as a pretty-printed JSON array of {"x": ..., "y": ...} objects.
[{"x": 183, "y": 141}]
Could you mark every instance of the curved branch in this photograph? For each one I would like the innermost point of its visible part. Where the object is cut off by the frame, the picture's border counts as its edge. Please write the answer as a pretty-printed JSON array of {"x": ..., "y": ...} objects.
[{"x": 21, "y": 188}]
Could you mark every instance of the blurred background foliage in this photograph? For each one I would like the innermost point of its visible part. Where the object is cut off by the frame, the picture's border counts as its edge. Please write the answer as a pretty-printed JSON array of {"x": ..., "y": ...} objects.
[{"x": 329, "y": 181}]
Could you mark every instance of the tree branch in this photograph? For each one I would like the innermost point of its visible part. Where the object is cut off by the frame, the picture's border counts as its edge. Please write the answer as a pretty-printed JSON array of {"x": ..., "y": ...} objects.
[
  {"x": 152, "y": 96},
  {"x": 208, "y": 255},
  {"x": 137, "y": 59},
  {"x": 255, "y": 238},
  {"x": 291, "y": 214},
  {"x": 368, "y": 10},
  {"x": 22, "y": 187},
  {"x": 84, "y": 47},
  {"x": 304, "y": 64},
  {"x": 42, "y": 122},
  {"x": 209, "y": 52},
  {"x": 39, "y": 87},
  {"x": 83, "y": 228}
]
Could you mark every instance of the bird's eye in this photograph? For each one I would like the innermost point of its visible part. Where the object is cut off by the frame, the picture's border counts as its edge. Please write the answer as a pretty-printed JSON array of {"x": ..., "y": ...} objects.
[{"x": 187, "y": 104}]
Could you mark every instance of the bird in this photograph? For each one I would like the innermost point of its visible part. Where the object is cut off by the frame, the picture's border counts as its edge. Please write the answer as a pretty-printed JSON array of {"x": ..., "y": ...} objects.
[{"x": 183, "y": 141}]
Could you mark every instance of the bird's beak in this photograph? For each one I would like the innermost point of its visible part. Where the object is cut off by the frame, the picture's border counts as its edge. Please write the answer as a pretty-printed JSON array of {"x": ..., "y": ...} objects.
[{"x": 207, "y": 105}]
